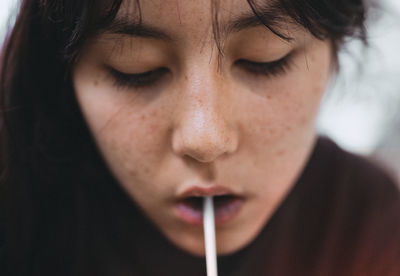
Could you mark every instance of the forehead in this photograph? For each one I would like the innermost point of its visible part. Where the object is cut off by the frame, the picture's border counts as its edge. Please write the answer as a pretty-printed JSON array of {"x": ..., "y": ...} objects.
[
  {"x": 201, "y": 17},
  {"x": 182, "y": 11}
]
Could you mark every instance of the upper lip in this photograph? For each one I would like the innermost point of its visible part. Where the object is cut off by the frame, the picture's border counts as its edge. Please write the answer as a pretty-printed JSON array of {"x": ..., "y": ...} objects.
[{"x": 199, "y": 191}]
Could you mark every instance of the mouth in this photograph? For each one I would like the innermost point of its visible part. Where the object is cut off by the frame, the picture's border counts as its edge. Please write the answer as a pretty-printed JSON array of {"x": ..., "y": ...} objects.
[{"x": 226, "y": 207}]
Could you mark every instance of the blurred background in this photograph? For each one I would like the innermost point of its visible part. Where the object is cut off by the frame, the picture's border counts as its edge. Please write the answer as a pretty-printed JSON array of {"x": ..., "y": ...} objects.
[{"x": 361, "y": 110}]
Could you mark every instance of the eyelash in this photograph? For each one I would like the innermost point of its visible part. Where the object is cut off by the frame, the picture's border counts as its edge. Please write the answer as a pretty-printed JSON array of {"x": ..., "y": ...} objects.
[
  {"x": 145, "y": 79},
  {"x": 149, "y": 78},
  {"x": 266, "y": 69}
]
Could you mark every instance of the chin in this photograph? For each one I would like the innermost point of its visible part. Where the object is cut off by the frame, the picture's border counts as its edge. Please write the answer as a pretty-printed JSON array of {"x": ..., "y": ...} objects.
[{"x": 228, "y": 240}]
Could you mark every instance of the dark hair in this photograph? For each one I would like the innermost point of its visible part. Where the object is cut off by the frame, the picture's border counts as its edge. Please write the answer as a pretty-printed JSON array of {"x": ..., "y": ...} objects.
[{"x": 60, "y": 207}]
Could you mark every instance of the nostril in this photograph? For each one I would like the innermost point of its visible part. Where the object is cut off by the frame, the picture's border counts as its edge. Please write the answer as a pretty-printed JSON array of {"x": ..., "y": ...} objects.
[
  {"x": 204, "y": 156},
  {"x": 203, "y": 149}
]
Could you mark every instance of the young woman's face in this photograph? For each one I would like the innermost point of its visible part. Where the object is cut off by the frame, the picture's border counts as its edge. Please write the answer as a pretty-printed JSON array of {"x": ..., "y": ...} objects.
[{"x": 174, "y": 119}]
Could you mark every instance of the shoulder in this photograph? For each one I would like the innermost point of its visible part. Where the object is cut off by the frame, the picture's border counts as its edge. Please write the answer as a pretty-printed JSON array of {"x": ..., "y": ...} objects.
[
  {"x": 342, "y": 181},
  {"x": 358, "y": 189},
  {"x": 357, "y": 177},
  {"x": 364, "y": 211}
]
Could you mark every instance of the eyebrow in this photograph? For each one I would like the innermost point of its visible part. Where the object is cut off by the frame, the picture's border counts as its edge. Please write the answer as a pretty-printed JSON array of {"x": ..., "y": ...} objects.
[
  {"x": 133, "y": 28},
  {"x": 268, "y": 16},
  {"x": 125, "y": 26}
]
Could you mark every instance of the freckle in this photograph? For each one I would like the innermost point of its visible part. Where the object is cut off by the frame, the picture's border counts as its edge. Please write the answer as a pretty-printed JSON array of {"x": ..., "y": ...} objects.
[
  {"x": 302, "y": 120},
  {"x": 280, "y": 152},
  {"x": 268, "y": 97},
  {"x": 132, "y": 173},
  {"x": 142, "y": 117},
  {"x": 153, "y": 128},
  {"x": 95, "y": 83}
]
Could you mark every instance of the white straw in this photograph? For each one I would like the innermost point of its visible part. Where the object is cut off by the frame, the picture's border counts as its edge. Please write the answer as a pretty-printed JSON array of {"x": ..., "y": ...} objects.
[{"x": 209, "y": 236}]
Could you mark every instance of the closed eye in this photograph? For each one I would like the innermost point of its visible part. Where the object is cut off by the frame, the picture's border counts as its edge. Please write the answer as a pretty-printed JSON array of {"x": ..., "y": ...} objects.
[
  {"x": 140, "y": 80},
  {"x": 267, "y": 69},
  {"x": 149, "y": 78}
]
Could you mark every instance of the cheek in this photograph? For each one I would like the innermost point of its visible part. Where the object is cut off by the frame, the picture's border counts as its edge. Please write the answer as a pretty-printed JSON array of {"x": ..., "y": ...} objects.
[
  {"x": 290, "y": 113},
  {"x": 290, "y": 107},
  {"x": 133, "y": 143},
  {"x": 130, "y": 139}
]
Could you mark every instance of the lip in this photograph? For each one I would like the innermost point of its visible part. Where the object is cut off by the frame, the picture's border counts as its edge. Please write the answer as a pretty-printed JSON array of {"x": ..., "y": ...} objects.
[
  {"x": 223, "y": 212},
  {"x": 199, "y": 191}
]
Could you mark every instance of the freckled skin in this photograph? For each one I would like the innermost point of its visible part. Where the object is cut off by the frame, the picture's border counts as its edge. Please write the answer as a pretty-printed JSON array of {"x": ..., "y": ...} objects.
[{"x": 200, "y": 124}]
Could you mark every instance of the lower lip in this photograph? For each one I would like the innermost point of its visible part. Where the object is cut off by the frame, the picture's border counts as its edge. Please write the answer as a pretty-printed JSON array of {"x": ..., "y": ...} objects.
[{"x": 222, "y": 213}]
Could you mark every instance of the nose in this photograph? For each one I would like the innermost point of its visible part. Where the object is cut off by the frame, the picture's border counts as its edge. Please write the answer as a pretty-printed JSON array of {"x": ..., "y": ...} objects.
[{"x": 205, "y": 128}]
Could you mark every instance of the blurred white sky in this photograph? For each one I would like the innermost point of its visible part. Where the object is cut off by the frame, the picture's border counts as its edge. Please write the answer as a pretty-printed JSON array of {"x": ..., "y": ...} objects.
[
  {"x": 6, "y": 7},
  {"x": 365, "y": 99}
]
